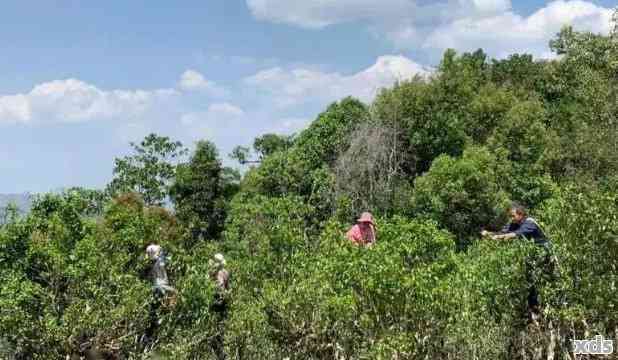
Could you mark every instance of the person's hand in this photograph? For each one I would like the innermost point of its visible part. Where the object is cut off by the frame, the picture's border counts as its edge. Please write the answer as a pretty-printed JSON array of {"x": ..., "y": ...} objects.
[{"x": 485, "y": 233}]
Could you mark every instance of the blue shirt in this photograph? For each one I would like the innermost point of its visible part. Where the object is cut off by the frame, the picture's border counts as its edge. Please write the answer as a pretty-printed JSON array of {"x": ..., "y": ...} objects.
[{"x": 528, "y": 229}]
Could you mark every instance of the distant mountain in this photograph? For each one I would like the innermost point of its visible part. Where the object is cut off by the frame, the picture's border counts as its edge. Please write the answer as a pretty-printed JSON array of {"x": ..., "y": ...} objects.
[{"x": 22, "y": 201}]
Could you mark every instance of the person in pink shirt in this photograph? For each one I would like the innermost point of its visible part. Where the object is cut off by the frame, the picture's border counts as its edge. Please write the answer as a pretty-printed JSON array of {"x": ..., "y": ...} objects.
[{"x": 364, "y": 232}]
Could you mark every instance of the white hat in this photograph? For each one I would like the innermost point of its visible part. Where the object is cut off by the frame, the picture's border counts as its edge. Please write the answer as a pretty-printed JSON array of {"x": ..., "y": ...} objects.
[
  {"x": 153, "y": 251},
  {"x": 219, "y": 259}
]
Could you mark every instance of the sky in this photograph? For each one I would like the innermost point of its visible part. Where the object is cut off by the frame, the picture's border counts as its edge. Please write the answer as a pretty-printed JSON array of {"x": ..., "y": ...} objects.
[{"x": 81, "y": 80}]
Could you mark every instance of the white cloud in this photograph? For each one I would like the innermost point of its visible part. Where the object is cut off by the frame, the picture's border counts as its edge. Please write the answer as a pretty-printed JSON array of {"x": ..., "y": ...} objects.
[
  {"x": 225, "y": 109},
  {"x": 14, "y": 109},
  {"x": 72, "y": 100},
  {"x": 192, "y": 80},
  {"x": 219, "y": 113},
  {"x": 290, "y": 87},
  {"x": 290, "y": 125},
  {"x": 437, "y": 25},
  {"x": 223, "y": 123},
  {"x": 508, "y": 33},
  {"x": 321, "y": 13}
]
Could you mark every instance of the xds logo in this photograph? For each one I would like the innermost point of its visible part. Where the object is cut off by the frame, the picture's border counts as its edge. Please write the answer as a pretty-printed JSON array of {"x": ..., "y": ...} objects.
[{"x": 598, "y": 346}]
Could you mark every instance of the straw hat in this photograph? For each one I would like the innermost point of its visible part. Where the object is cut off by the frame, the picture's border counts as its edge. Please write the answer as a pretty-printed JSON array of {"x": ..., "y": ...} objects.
[
  {"x": 366, "y": 217},
  {"x": 219, "y": 259},
  {"x": 153, "y": 251}
]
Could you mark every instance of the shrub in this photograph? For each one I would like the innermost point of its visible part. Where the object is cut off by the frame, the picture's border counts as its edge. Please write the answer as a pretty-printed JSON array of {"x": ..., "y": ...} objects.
[{"x": 463, "y": 195}]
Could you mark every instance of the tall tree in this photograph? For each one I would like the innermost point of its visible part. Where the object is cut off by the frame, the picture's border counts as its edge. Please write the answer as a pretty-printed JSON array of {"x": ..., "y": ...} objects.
[
  {"x": 201, "y": 190},
  {"x": 149, "y": 170},
  {"x": 270, "y": 143}
]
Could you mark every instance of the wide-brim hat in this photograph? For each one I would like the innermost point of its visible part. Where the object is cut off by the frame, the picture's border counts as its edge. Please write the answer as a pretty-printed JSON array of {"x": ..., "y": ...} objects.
[
  {"x": 219, "y": 259},
  {"x": 366, "y": 217},
  {"x": 153, "y": 251}
]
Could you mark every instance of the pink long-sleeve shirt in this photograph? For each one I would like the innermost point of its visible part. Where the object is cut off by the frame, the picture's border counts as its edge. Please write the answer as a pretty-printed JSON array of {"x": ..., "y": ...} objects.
[{"x": 360, "y": 237}]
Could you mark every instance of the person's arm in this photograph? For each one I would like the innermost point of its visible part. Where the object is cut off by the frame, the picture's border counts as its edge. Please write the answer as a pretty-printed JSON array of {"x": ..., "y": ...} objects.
[
  {"x": 506, "y": 236},
  {"x": 353, "y": 235},
  {"x": 507, "y": 229}
]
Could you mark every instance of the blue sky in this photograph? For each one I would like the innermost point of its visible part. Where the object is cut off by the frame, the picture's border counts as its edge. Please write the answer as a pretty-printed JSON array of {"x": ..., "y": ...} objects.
[{"x": 79, "y": 81}]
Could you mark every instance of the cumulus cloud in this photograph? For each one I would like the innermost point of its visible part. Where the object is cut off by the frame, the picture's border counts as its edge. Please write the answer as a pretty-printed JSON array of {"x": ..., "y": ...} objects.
[
  {"x": 224, "y": 123},
  {"x": 225, "y": 109},
  {"x": 434, "y": 26},
  {"x": 290, "y": 125},
  {"x": 192, "y": 80},
  {"x": 14, "y": 109},
  {"x": 295, "y": 86},
  {"x": 216, "y": 113},
  {"x": 318, "y": 14},
  {"x": 72, "y": 100},
  {"x": 507, "y": 33}
]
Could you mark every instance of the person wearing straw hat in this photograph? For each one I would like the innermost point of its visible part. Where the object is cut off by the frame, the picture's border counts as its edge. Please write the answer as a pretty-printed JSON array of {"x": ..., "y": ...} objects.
[
  {"x": 363, "y": 233},
  {"x": 163, "y": 293},
  {"x": 159, "y": 275},
  {"x": 218, "y": 272},
  {"x": 221, "y": 278}
]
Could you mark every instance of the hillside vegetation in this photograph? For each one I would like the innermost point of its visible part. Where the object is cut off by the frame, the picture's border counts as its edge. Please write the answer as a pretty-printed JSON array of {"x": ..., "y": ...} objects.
[{"x": 436, "y": 160}]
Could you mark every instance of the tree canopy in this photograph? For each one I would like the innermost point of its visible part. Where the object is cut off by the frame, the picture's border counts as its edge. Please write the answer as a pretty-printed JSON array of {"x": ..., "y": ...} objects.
[{"x": 435, "y": 159}]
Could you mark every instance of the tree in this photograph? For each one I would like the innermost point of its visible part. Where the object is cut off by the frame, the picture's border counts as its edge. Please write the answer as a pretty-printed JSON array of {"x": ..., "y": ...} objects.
[
  {"x": 149, "y": 170},
  {"x": 201, "y": 190},
  {"x": 370, "y": 172},
  {"x": 268, "y": 144},
  {"x": 427, "y": 121},
  {"x": 315, "y": 147},
  {"x": 9, "y": 213},
  {"x": 241, "y": 154},
  {"x": 462, "y": 194},
  {"x": 518, "y": 70},
  {"x": 264, "y": 146}
]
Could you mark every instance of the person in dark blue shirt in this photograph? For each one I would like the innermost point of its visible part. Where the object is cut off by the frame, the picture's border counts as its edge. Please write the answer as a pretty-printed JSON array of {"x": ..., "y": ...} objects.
[
  {"x": 524, "y": 227},
  {"x": 520, "y": 226}
]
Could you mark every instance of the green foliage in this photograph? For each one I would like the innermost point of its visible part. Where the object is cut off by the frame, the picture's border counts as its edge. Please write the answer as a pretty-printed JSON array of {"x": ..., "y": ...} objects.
[
  {"x": 268, "y": 144},
  {"x": 71, "y": 282},
  {"x": 200, "y": 192},
  {"x": 437, "y": 159},
  {"x": 488, "y": 111},
  {"x": 328, "y": 134},
  {"x": 523, "y": 141},
  {"x": 9, "y": 213},
  {"x": 518, "y": 71},
  {"x": 486, "y": 298},
  {"x": 240, "y": 154},
  {"x": 595, "y": 51},
  {"x": 341, "y": 299},
  {"x": 149, "y": 171},
  {"x": 265, "y": 233},
  {"x": 523, "y": 134},
  {"x": 303, "y": 169},
  {"x": 584, "y": 227},
  {"x": 463, "y": 195},
  {"x": 427, "y": 125},
  {"x": 264, "y": 146}
]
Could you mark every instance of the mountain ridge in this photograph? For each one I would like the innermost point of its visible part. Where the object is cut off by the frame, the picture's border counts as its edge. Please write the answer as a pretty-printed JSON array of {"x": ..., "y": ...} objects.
[{"x": 23, "y": 200}]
